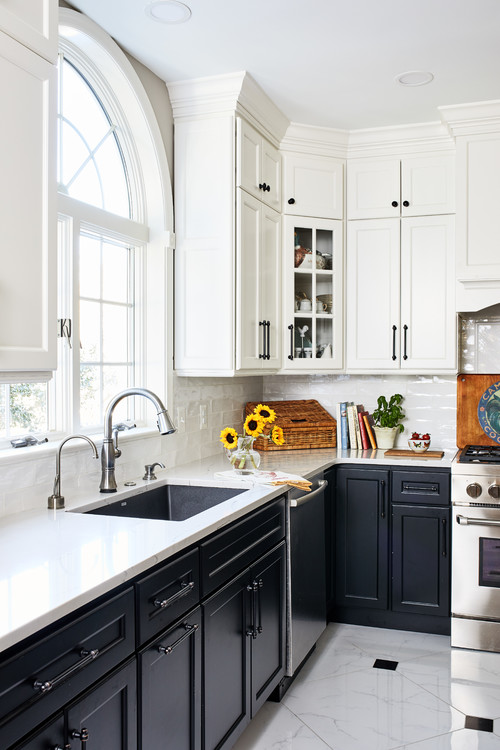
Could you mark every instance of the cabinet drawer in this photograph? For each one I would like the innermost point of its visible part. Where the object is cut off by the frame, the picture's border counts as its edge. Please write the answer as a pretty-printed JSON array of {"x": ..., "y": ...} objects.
[
  {"x": 35, "y": 681},
  {"x": 166, "y": 594},
  {"x": 229, "y": 551},
  {"x": 426, "y": 487}
]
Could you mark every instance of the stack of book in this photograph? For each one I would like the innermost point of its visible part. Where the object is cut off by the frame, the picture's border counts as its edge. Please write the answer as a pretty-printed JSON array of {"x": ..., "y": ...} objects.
[{"x": 354, "y": 427}]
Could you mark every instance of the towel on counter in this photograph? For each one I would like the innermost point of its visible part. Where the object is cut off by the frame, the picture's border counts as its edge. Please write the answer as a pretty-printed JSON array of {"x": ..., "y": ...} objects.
[{"x": 268, "y": 477}]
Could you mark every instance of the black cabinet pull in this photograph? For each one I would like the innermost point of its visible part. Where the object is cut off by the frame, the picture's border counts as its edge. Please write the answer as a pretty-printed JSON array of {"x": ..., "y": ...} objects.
[
  {"x": 406, "y": 204},
  {"x": 382, "y": 485},
  {"x": 252, "y": 630},
  {"x": 164, "y": 603},
  {"x": 260, "y": 584},
  {"x": 44, "y": 686},
  {"x": 394, "y": 329},
  {"x": 405, "y": 331},
  {"x": 264, "y": 187},
  {"x": 291, "y": 201},
  {"x": 290, "y": 328},
  {"x": 83, "y": 736},
  {"x": 190, "y": 629},
  {"x": 267, "y": 333},
  {"x": 255, "y": 608},
  {"x": 445, "y": 537},
  {"x": 394, "y": 204},
  {"x": 262, "y": 355}
]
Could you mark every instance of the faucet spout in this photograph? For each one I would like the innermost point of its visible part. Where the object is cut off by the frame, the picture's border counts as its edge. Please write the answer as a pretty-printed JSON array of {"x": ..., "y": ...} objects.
[
  {"x": 108, "y": 454},
  {"x": 56, "y": 500}
]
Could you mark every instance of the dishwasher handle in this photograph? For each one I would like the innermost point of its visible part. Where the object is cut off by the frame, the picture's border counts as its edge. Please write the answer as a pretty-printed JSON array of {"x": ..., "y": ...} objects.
[{"x": 322, "y": 485}]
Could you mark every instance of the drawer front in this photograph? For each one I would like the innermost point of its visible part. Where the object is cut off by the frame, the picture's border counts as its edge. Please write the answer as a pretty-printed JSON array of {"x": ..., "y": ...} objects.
[
  {"x": 421, "y": 487},
  {"x": 166, "y": 594},
  {"x": 36, "y": 681},
  {"x": 229, "y": 551}
]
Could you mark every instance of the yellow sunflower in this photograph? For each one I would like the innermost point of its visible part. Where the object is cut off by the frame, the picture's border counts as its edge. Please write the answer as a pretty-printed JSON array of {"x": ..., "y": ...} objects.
[
  {"x": 265, "y": 413},
  {"x": 229, "y": 438},
  {"x": 277, "y": 436},
  {"x": 253, "y": 425}
]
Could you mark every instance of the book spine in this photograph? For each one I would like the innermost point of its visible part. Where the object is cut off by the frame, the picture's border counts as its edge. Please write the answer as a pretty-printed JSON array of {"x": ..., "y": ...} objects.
[
  {"x": 356, "y": 425},
  {"x": 343, "y": 425},
  {"x": 364, "y": 435},
  {"x": 352, "y": 428},
  {"x": 339, "y": 422},
  {"x": 371, "y": 437}
]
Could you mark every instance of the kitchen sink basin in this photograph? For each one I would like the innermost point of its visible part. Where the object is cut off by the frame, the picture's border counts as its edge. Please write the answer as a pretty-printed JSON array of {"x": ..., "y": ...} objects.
[{"x": 172, "y": 502}]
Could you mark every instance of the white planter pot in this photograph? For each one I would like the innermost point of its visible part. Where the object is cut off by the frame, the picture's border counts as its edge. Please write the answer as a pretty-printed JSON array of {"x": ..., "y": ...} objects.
[{"x": 386, "y": 437}]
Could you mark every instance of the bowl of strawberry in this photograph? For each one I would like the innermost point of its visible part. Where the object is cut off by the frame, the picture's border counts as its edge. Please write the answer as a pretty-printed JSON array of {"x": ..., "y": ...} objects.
[{"x": 419, "y": 443}]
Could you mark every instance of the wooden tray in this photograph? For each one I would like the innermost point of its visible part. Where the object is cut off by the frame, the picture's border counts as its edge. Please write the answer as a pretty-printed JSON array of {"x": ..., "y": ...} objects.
[
  {"x": 407, "y": 453},
  {"x": 470, "y": 388}
]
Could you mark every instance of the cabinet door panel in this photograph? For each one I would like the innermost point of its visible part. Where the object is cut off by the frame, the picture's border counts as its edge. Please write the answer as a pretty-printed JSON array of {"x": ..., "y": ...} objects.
[
  {"x": 268, "y": 647},
  {"x": 248, "y": 158},
  {"x": 420, "y": 547},
  {"x": 373, "y": 294},
  {"x": 372, "y": 187},
  {"x": 428, "y": 185},
  {"x": 428, "y": 293},
  {"x": 362, "y": 538},
  {"x": 271, "y": 175},
  {"x": 33, "y": 23},
  {"x": 227, "y": 673},
  {"x": 313, "y": 186},
  {"x": 27, "y": 210},
  {"x": 108, "y": 713},
  {"x": 270, "y": 283},
  {"x": 250, "y": 341},
  {"x": 170, "y": 688}
]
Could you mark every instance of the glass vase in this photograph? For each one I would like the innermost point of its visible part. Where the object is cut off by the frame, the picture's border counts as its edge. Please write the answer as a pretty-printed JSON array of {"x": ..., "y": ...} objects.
[{"x": 244, "y": 459}]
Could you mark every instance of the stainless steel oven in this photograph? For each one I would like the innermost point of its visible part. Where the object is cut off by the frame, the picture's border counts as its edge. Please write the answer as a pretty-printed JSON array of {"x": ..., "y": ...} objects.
[{"x": 475, "y": 595}]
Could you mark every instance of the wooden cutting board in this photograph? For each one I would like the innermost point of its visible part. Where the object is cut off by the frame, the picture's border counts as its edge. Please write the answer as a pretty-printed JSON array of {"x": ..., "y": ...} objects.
[
  {"x": 470, "y": 389},
  {"x": 412, "y": 454}
]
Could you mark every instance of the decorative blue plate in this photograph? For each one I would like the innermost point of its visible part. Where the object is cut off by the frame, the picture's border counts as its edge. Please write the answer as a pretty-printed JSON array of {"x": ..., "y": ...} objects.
[{"x": 488, "y": 412}]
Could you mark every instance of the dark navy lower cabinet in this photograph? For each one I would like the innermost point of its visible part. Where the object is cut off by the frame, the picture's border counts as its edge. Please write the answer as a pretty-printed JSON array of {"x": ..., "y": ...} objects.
[
  {"x": 244, "y": 648},
  {"x": 49, "y": 737},
  {"x": 170, "y": 687},
  {"x": 392, "y": 548},
  {"x": 362, "y": 537}
]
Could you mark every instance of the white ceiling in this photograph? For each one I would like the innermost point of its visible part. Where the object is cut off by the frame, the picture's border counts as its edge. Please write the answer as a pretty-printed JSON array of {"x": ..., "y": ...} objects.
[{"x": 325, "y": 62}]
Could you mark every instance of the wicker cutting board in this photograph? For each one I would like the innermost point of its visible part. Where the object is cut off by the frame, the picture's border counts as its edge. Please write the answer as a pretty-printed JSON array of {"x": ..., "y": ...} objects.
[
  {"x": 413, "y": 454},
  {"x": 470, "y": 388}
]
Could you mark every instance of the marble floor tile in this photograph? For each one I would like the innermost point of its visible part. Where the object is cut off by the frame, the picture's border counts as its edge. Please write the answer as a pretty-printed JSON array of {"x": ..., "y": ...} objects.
[
  {"x": 373, "y": 708},
  {"x": 335, "y": 654},
  {"x": 393, "y": 644},
  {"x": 463, "y": 739},
  {"x": 276, "y": 728},
  {"x": 467, "y": 680}
]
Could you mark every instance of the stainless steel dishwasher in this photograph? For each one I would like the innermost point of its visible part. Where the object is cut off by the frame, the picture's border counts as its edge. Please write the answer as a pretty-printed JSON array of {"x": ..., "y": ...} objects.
[{"x": 306, "y": 590}]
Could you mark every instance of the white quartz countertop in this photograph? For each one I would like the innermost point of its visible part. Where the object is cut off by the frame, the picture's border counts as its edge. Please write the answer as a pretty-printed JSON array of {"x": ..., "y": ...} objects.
[{"x": 52, "y": 562}]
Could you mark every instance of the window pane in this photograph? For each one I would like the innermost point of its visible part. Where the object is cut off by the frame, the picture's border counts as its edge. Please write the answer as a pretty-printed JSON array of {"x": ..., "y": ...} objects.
[
  {"x": 75, "y": 152},
  {"x": 87, "y": 186},
  {"x": 91, "y": 411},
  {"x": 28, "y": 408},
  {"x": 115, "y": 379},
  {"x": 90, "y": 267},
  {"x": 81, "y": 107},
  {"x": 109, "y": 165},
  {"x": 115, "y": 282},
  {"x": 114, "y": 333},
  {"x": 90, "y": 331}
]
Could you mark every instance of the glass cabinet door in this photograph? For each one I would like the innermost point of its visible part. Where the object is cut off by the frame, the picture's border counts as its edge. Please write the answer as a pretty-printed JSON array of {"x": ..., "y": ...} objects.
[{"x": 313, "y": 297}]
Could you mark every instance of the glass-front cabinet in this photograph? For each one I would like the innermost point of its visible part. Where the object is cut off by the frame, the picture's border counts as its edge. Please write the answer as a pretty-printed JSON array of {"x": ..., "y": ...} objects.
[{"x": 313, "y": 262}]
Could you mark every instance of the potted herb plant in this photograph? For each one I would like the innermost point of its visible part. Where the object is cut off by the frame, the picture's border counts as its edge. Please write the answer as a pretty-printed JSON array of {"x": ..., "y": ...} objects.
[{"x": 387, "y": 418}]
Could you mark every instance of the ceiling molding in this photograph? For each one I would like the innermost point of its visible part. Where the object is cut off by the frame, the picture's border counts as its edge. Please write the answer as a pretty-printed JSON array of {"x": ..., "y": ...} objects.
[
  {"x": 235, "y": 93},
  {"x": 472, "y": 119},
  {"x": 312, "y": 139},
  {"x": 408, "y": 139}
]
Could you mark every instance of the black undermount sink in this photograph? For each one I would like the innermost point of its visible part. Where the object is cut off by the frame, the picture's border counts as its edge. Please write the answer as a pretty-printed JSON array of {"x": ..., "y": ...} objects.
[{"x": 172, "y": 502}]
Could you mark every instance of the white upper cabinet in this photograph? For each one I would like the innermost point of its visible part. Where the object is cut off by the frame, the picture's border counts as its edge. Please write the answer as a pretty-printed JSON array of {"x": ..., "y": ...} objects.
[
  {"x": 27, "y": 210},
  {"x": 413, "y": 186},
  {"x": 258, "y": 165},
  {"x": 313, "y": 186},
  {"x": 33, "y": 23},
  {"x": 400, "y": 295}
]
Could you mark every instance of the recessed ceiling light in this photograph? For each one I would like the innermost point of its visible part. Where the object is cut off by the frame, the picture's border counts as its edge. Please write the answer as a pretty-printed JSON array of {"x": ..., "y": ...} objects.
[
  {"x": 414, "y": 78},
  {"x": 168, "y": 11}
]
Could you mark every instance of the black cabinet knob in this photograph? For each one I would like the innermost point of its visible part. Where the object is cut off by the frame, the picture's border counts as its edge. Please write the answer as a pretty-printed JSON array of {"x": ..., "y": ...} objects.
[
  {"x": 394, "y": 204},
  {"x": 265, "y": 187},
  {"x": 406, "y": 204},
  {"x": 291, "y": 201}
]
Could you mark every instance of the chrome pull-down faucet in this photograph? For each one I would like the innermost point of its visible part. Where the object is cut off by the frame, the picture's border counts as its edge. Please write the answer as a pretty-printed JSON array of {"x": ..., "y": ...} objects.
[
  {"x": 56, "y": 500},
  {"x": 108, "y": 454}
]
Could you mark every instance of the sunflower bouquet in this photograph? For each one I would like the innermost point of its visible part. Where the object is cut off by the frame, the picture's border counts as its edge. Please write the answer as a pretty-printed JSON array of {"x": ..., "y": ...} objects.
[{"x": 257, "y": 424}]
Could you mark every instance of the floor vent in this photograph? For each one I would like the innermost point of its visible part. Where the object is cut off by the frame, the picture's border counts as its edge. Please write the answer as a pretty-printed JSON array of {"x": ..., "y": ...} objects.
[
  {"x": 481, "y": 725},
  {"x": 385, "y": 664}
]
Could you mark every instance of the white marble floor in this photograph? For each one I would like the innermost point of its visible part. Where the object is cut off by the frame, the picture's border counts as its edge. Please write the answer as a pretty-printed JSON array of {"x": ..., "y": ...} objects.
[{"x": 340, "y": 701}]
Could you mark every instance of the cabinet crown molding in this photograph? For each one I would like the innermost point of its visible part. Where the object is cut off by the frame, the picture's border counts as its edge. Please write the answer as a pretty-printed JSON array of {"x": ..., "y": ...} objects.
[
  {"x": 416, "y": 138},
  {"x": 313, "y": 139},
  {"x": 234, "y": 93},
  {"x": 472, "y": 119}
]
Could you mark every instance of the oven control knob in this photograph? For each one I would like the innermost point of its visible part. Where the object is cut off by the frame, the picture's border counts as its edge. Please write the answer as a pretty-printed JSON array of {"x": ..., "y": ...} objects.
[
  {"x": 494, "y": 491},
  {"x": 474, "y": 490}
]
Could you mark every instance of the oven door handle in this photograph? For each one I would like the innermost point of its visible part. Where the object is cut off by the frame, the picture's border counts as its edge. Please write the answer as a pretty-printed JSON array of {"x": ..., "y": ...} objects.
[{"x": 464, "y": 521}]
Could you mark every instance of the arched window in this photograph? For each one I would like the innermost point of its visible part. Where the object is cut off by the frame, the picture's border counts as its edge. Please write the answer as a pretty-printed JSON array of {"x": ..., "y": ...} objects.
[{"x": 115, "y": 224}]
